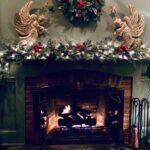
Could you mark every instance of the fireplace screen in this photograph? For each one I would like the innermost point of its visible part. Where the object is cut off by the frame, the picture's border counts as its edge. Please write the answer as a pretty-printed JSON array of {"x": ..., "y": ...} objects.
[{"x": 78, "y": 111}]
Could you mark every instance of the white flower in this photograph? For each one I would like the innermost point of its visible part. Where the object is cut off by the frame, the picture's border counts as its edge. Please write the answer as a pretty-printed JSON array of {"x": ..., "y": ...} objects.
[
  {"x": 102, "y": 57},
  {"x": 143, "y": 46},
  {"x": 125, "y": 57},
  {"x": 100, "y": 51},
  {"x": 47, "y": 54},
  {"x": 67, "y": 57},
  {"x": 78, "y": 53},
  {"x": 116, "y": 44},
  {"x": 57, "y": 45},
  {"x": 73, "y": 44},
  {"x": 114, "y": 56},
  {"x": 44, "y": 45},
  {"x": 59, "y": 7},
  {"x": 120, "y": 56},
  {"x": 6, "y": 69},
  {"x": 7, "y": 64},
  {"x": 147, "y": 55},
  {"x": 37, "y": 54},
  {"x": 13, "y": 56},
  {"x": 135, "y": 59},
  {"x": 106, "y": 52},
  {"x": 62, "y": 54},
  {"x": 43, "y": 57},
  {"x": 148, "y": 49},
  {"x": 88, "y": 55},
  {"x": 1, "y": 54},
  {"x": 23, "y": 52},
  {"x": 111, "y": 50},
  {"x": 82, "y": 52},
  {"x": 131, "y": 53},
  {"x": 105, "y": 46},
  {"x": 109, "y": 43},
  {"x": 31, "y": 43},
  {"x": 29, "y": 57},
  {"x": 96, "y": 54},
  {"x": 14, "y": 48}
]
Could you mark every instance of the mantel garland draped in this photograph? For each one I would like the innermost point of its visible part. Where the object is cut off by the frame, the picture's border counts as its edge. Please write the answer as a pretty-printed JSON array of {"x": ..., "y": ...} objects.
[{"x": 107, "y": 50}]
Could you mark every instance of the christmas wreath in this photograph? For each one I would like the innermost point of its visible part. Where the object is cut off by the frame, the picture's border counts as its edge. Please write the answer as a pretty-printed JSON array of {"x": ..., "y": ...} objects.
[{"x": 81, "y": 12}]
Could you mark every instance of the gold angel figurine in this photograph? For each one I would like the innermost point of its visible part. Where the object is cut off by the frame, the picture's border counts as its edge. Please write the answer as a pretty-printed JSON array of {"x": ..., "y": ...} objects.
[
  {"x": 130, "y": 27},
  {"x": 27, "y": 25}
]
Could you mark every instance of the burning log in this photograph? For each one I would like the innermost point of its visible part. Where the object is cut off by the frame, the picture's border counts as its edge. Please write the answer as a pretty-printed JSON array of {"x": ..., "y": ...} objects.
[
  {"x": 69, "y": 122},
  {"x": 75, "y": 116}
]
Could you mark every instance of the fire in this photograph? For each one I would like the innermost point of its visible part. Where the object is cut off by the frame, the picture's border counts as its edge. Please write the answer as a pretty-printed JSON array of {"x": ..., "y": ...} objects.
[
  {"x": 67, "y": 109},
  {"x": 52, "y": 119},
  {"x": 100, "y": 120}
]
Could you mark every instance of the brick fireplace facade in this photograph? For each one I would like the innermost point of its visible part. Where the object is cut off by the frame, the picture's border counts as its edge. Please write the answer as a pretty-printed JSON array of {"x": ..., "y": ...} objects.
[{"x": 69, "y": 77}]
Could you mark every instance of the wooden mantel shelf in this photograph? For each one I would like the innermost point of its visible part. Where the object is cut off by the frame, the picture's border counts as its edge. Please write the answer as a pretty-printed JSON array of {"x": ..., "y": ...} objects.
[{"x": 38, "y": 67}]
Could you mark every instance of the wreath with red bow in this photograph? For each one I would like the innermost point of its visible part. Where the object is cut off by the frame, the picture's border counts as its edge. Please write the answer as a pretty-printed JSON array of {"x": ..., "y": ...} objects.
[{"x": 81, "y": 11}]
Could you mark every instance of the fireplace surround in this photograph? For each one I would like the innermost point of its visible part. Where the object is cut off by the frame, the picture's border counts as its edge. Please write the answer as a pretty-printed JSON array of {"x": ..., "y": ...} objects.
[{"x": 87, "y": 88}]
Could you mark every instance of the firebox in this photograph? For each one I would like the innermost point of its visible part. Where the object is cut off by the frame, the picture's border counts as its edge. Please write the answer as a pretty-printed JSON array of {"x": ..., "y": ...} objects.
[
  {"x": 77, "y": 107},
  {"x": 79, "y": 113}
]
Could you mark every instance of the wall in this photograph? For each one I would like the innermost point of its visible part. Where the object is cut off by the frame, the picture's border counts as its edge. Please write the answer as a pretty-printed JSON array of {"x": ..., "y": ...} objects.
[{"x": 60, "y": 29}]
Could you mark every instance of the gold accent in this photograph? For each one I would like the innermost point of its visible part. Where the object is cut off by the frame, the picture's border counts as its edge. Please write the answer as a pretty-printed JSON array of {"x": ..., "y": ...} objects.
[
  {"x": 130, "y": 27},
  {"x": 28, "y": 26}
]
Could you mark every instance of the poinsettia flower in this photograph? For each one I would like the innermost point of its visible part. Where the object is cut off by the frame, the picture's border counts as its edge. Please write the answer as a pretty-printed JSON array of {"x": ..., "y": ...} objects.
[
  {"x": 123, "y": 48},
  {"x": 81, "y": 4},
  {"x": 37, "y": 47},
  {"x": 80, "y": 46}
]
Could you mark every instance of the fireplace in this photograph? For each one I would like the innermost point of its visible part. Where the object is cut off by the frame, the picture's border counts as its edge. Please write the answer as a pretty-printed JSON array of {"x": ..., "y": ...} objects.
[{"x": 78, "y": 105}]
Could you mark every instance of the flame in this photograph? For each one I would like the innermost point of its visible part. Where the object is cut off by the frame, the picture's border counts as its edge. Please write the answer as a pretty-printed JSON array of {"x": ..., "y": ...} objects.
[
  {"x": 52, "y": 119},
  {"x": 100, "y": 120},
  {"x": 67, "y": 109}
]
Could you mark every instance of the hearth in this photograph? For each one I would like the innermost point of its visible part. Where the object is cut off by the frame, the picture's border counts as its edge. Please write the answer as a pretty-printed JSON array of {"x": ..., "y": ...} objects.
[{"x": 78, "y": 107}]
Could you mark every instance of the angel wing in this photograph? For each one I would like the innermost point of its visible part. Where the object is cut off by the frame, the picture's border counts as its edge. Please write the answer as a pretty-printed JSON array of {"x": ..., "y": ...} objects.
[
  {"x": 135, "y": 22},
  {"x": 24, "y": 22}
]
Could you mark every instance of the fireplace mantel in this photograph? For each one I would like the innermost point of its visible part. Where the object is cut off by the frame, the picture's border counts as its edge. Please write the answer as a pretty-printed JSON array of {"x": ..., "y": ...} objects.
[
  {"x": 21, "y": 71},
  {"x": 38, "y": 67}
]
